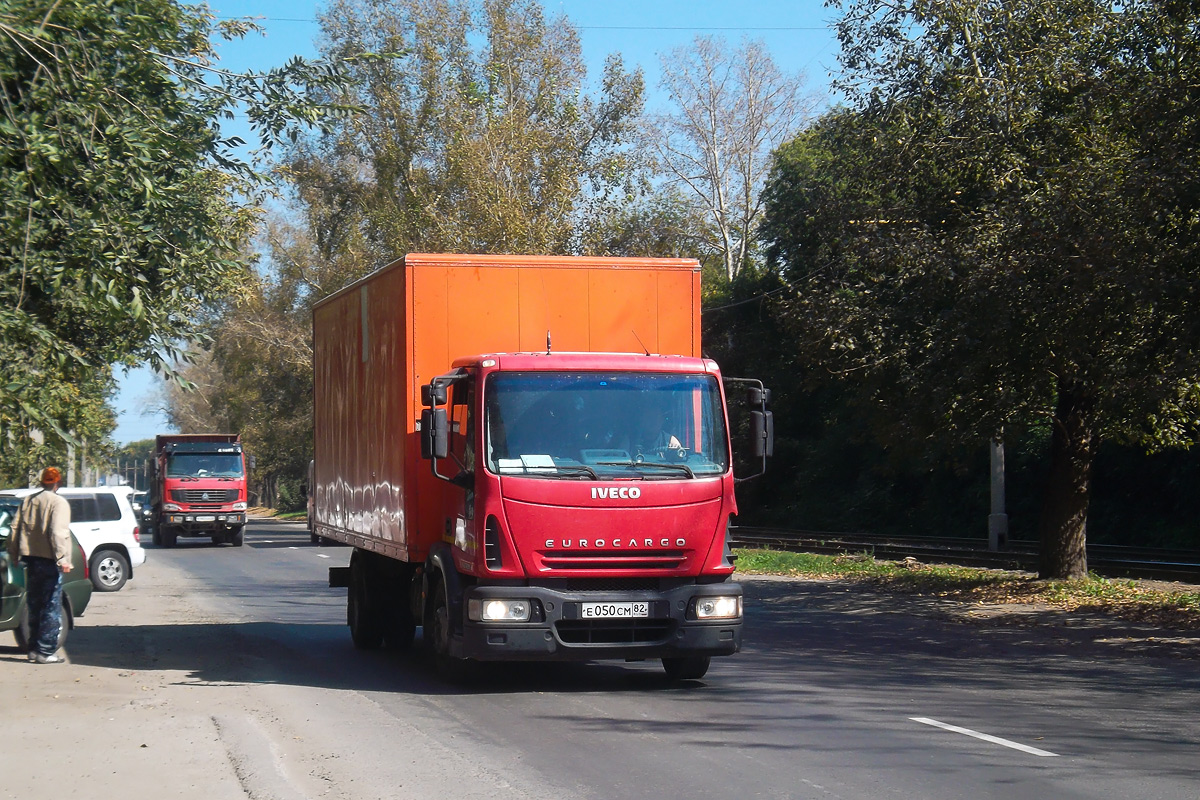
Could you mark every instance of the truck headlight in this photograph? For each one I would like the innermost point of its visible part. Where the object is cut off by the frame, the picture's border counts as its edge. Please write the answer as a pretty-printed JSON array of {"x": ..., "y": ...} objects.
[
  {"x": 499, "y": 610},
  {"x": 239, "y": 506},
  {"x": 718, "y": 607},
  {"x": 172, "y": 507}
]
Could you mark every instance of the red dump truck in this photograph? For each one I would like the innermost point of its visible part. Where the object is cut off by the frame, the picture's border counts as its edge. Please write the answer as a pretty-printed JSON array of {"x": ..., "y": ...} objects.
[
  {"x": 198, "y": 488},
  {"x": 531, "y": 460}
]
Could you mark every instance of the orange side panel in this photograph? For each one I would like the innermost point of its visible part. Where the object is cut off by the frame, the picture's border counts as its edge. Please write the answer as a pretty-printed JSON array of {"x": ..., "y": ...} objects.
[
  {"x": 376, "y": 342},
  {"x": 551, "y": 300}
]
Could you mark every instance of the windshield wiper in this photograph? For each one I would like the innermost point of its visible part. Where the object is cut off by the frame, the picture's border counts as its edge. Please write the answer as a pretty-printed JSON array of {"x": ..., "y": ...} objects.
[
  {"x": 638, "y": 464},
  {"x": 577, "y": 469},
  {"x": 570, "y": 470}
]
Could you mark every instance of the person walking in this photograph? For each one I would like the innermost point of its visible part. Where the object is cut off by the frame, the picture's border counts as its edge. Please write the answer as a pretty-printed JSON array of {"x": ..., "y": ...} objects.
[{"x": 41, "y": 538}]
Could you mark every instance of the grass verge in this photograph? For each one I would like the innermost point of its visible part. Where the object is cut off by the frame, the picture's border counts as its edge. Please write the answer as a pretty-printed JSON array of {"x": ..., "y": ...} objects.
[{"x": 1171, "y": 605}]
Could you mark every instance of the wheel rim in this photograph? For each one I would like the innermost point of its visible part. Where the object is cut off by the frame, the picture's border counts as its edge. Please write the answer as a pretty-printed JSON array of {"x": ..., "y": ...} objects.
[{"x": 108, "y": 571}]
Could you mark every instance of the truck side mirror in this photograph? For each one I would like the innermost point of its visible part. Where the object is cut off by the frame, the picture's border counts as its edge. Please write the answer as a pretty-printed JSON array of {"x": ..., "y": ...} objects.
[
  {"x": 435, "y": 437},
  {"x": 433, "y": 394},
  {"x": 756, "y": 396},
  {"x": 762, "y": 427}
]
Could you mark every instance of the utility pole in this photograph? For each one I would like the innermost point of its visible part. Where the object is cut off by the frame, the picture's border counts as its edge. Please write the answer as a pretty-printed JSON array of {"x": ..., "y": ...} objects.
[{"x": 998, "y": 519}]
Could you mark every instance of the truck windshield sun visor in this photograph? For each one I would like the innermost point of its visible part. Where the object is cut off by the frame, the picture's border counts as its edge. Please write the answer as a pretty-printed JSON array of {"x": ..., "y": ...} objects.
[{"x": 587, "y": 425}]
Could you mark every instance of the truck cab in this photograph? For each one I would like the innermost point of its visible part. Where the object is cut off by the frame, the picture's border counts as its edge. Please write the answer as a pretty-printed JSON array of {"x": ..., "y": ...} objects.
[
  {"x": 588, "y": 496},
  {"x": 198, "y": 488}
]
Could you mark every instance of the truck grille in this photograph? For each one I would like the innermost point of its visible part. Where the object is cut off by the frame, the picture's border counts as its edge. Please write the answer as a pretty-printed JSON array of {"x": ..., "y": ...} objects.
[
  {"x": 610, "y": 585},
  {"x": 614, "y": 631},
  {"x": 193, "y": 496},
  {"x": 663, "y": 560}
]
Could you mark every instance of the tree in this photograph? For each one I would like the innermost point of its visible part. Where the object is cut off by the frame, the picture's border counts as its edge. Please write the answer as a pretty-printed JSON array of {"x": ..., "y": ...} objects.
[
  {"x": 479, "y": 134},
  {"x": 734, "y": 107},
  {"x": 1002, "y": 229},
  {"x": 123, "y": 210}
]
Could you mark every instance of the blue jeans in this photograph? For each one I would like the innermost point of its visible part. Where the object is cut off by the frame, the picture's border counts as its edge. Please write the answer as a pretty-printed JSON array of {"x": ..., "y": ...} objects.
[{"x": 43, "y": 598}]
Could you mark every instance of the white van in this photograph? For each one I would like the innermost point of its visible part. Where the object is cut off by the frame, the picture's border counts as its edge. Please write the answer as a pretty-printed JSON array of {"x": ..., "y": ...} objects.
[{"x": 103, "y": 521}]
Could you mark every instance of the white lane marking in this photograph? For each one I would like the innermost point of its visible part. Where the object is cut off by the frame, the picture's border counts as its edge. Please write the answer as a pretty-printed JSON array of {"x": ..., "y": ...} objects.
[
  {"x": 986, "y": 737},
  {"x": 322, "y": 555}
]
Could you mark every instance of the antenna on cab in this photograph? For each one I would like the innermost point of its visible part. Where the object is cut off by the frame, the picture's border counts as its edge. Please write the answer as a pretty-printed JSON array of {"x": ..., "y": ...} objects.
[{"x": 639, "y": 341}]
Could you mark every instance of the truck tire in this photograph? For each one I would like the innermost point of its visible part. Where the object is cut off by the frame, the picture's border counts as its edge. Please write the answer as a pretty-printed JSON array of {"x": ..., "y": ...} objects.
[
  {"x": 399, "y": 628},
  {"x": 437, "y": 635},
  {"x": 109, "y": 569},
  {"x": 686, "y": 668},
  {"x": 366, "y": 624},
  {"x": 21, "y": 632},
  {"x": 168, "y": 537},
  {"x": 236, "y": 537}
]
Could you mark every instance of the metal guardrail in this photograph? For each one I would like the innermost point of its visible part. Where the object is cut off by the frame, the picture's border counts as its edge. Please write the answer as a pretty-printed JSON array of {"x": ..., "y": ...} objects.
[{"x": 1108, "y": 560}]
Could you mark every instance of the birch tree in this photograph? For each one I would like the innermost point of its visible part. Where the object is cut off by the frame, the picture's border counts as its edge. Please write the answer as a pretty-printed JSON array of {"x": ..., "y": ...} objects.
[{"x": 732, "y": 108}]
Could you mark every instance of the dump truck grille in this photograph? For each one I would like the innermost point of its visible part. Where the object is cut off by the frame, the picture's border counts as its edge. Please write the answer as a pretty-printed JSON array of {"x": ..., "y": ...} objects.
[{"x": 193, "y": 496}]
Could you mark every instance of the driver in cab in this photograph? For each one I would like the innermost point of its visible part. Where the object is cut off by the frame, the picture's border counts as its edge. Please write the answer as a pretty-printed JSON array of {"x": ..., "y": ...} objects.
[{"x": 651, "y": 432}]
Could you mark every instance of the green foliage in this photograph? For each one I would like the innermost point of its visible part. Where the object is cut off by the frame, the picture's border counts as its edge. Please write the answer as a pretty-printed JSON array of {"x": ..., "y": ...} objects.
[
  {"x": 479, "y": 134},
  {"x": 1001, "y": 230},
  {"x": 123, "y": 211},
  {"x": 291, "y": 499}
]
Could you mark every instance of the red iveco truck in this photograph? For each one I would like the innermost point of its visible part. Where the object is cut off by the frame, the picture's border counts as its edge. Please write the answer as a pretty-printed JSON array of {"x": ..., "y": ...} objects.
[
  {"x": 198, "y": 487},
  {"x": 531, "y": 460}
]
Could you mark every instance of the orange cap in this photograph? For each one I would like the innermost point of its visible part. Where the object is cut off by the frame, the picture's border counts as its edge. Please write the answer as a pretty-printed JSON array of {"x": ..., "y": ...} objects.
[{"x": 51, "y": 475}]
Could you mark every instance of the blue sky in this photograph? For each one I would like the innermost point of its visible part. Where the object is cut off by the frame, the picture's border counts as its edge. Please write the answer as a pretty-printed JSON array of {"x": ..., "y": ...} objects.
[{"x": 797, "y": 32}]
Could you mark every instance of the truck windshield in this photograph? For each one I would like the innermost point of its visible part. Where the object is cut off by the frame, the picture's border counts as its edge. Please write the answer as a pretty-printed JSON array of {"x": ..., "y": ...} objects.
[
  {"x": 204, "y": 465},
  {"x": 588, "y": 425}
]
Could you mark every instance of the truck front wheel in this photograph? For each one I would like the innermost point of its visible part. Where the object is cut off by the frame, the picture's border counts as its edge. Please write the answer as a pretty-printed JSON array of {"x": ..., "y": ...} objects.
[
  {"x": 437, "y": 635},
  {"x": 236, "y": 537},
  {"x": 686, "y": 668},
  {"x": 437, "y": 623}
]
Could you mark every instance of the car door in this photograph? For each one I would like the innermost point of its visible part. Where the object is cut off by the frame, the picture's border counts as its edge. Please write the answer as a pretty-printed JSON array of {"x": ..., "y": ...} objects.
[
  {"x": 85, "y": 521},
  {"x": 12, "y": 576}
]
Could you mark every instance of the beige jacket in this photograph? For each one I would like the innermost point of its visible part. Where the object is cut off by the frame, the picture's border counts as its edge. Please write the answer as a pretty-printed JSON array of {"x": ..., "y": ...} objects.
[{"x": 42, "y": 528}]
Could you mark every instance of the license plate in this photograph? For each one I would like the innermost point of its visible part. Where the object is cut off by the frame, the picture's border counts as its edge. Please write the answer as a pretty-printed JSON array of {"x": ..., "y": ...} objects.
[
  {"x": 208, "y": 518},
  {"x": 614, "y": 610}
]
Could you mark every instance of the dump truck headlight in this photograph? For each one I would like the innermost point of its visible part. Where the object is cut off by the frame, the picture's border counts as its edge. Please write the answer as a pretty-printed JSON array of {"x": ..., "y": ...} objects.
[
  {"x": 718, "y": 607},
  {"x": 239, "y": 506},
  {"x": 499, "y": 610},
  {"x": 172, "y": 507}
]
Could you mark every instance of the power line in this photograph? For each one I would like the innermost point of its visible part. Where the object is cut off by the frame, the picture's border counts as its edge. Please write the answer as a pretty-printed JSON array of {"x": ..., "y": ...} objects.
[{"x": 598, "y": 27}]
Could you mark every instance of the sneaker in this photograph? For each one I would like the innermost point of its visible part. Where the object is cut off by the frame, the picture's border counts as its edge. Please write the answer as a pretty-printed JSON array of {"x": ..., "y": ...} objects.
[
  {"x": 50, "y": 659},
  {"x": 33, "y": 655}
]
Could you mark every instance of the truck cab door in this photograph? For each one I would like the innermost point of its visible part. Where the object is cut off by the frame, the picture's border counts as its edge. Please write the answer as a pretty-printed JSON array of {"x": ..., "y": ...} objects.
[{"x": 460, "y": 491}]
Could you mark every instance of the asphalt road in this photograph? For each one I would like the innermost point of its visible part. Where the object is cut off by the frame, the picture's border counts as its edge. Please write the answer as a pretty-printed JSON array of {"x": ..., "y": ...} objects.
[{"x": 224, "y": 672}]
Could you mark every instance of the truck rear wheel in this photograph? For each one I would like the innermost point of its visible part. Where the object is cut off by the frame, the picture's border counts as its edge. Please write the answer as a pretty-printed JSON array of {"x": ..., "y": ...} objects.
[
  {"x": 686, "y": 668},
  {"x": 366, "y": 624}
]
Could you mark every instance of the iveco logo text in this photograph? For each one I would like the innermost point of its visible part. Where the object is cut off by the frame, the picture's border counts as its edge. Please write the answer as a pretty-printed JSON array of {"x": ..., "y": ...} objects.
[{"x": 605, "y": 493}]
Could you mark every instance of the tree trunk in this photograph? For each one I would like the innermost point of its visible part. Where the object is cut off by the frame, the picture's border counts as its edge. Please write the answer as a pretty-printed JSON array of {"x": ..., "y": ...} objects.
[{"x": 1063, "y": 522}]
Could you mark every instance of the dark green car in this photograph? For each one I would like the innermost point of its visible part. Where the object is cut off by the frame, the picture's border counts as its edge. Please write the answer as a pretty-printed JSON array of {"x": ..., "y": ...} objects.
[{"x": 14, "y": 615}]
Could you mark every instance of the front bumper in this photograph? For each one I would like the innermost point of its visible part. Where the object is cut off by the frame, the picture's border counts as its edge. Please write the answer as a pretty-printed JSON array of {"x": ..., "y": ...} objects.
[
  {"x": 558, "y": 633},
  {"x": 203, "y": 522}
]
